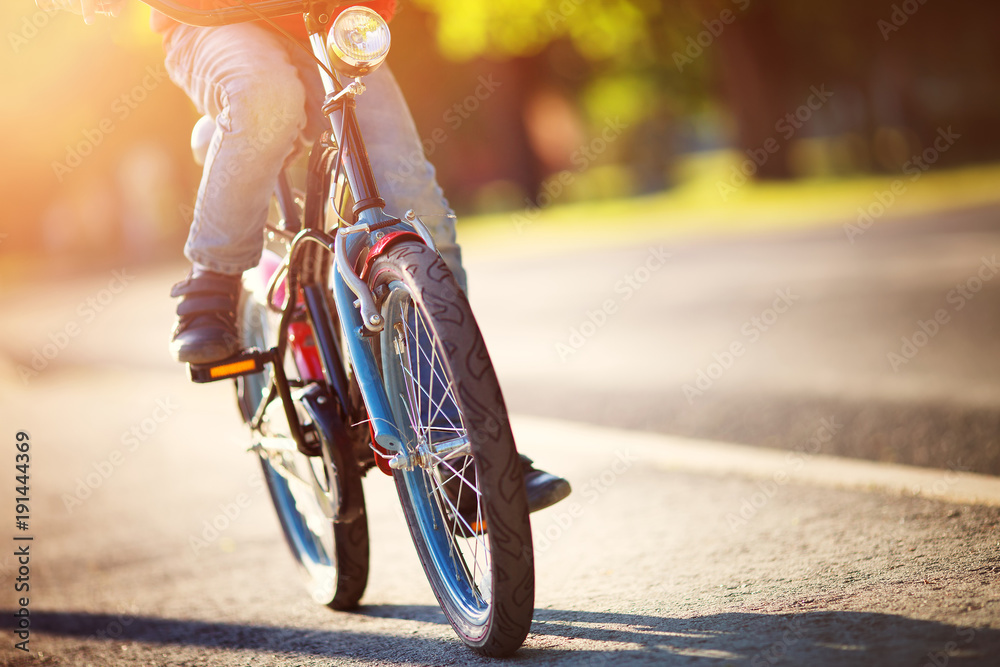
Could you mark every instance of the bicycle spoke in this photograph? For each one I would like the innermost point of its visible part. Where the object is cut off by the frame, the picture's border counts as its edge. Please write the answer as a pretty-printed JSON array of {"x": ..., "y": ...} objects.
[
  {"x": 457, "y": 480},
  {"x": 479, "y": 556},
  {"x": 431, "y": 410},
  {"x": 437, "y": 376}
]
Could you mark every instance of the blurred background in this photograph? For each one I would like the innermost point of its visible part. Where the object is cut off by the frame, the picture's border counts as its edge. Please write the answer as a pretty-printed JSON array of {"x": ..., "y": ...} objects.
[
  {"x": 770, "y": 223},
  {"x": 599, "y": 99},
  {"x": 710, "y": 153}
]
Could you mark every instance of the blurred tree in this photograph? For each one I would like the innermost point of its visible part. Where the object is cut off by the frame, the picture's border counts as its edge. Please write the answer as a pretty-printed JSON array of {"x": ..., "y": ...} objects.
[
  {"x": 80, "y": 102},
  {"x": 659, "y": 77},
  {"x": 898, "y": 71},
  {"x": 602, "y": 57}
]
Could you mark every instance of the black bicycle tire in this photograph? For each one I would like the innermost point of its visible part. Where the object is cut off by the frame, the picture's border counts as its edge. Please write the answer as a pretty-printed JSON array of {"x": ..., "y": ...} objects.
[
  {"x": 350, "y": 538},
  {"x": 436, "y": 294},
  {"x": 351, "y": 546}
]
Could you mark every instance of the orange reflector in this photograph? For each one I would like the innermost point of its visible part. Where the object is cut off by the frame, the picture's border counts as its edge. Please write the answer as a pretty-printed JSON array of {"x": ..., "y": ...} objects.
[
  {"x": 232, "y": 369},
  {"x": 479, "y": 527}
]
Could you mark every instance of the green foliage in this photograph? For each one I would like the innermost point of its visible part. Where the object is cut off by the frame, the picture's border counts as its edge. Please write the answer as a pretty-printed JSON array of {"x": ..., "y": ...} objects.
[
  {"x": 599, "y": 29},
  {"x": 626, "y": 98}
]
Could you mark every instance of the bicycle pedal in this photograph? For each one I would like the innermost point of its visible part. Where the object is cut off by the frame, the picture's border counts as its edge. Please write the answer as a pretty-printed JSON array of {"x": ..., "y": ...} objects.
[{"x": 247, "y": 362}]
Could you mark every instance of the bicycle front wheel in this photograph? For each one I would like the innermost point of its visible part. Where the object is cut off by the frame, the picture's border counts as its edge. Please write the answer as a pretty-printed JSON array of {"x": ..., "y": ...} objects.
[{"x": 462, "y": 489}]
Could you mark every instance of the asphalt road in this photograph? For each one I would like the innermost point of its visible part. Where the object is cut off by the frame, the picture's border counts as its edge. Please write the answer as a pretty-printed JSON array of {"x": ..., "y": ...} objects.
[
  {"x": 822, "y": 326},
  {"x": 155, "y": 544}
]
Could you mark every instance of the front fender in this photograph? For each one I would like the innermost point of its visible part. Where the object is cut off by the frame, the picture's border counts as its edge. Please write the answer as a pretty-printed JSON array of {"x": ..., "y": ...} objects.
[{"x": 384, "y": 244}]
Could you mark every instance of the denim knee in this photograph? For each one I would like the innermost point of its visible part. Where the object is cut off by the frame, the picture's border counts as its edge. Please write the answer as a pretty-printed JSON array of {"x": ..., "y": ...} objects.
[{"x": 265, "y": 114}]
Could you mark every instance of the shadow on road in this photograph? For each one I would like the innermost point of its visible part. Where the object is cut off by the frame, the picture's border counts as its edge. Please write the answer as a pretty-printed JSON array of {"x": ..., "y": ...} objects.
[{"x": 558, "y": 636}]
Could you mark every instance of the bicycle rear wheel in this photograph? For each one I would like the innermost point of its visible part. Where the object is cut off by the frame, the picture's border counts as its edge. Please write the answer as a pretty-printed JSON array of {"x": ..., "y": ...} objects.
[
  {"x": 463, "y": 494},
  {"x": 304, "y": 489}
]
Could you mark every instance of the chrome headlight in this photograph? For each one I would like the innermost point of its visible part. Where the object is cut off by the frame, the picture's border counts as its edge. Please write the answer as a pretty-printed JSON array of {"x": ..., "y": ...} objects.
[{"x": 358, "y": 41}]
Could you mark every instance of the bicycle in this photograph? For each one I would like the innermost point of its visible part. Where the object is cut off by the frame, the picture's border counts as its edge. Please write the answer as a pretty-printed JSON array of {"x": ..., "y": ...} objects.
[{"x": 373, "y": 359}]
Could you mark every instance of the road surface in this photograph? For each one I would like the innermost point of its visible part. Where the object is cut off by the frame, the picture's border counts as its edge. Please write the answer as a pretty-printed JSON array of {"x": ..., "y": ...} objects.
[{"x": 155, "y": 544}]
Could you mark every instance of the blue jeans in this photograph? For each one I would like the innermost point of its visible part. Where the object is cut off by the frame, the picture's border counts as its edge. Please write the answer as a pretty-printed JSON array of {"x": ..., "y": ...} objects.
[{"x": 266, "y": 95}]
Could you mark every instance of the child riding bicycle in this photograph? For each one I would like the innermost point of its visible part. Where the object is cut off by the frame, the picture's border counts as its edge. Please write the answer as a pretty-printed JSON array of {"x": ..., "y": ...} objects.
[{"x": 265, "y": 93}]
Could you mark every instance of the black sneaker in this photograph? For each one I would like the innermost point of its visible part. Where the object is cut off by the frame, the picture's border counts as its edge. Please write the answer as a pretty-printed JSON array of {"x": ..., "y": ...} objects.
[
  {"x": 542, "y": 488},
  {"x": 206, "y": 317}
]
